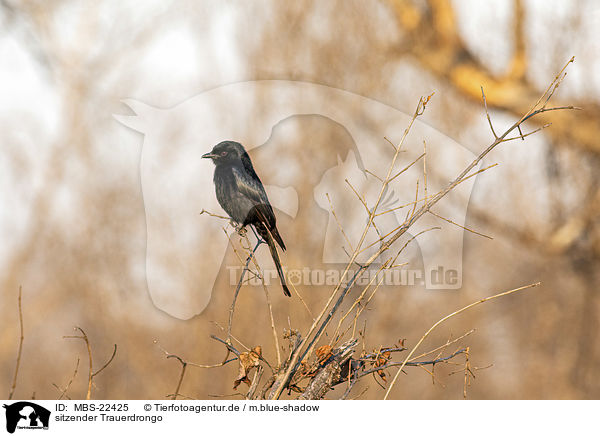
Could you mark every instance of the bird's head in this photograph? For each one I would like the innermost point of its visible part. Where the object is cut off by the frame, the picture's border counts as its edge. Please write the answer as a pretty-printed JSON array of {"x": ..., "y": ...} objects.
[{"x": 226, "y": 152}]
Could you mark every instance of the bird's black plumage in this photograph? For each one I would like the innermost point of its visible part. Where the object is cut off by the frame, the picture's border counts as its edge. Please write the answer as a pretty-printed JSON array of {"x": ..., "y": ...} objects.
[{"x": 242, "y": 195}]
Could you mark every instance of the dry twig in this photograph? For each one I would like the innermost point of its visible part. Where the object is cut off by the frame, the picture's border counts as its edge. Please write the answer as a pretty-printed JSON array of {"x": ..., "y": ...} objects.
[
  {"x": 91, "y": 373},
  {"x": 19, "y": 352}
]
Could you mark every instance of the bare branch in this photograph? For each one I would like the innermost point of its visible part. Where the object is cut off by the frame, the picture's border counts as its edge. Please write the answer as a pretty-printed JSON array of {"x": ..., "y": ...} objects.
[
  {"x": 91, "y": 373},
  {"x": 20, "y": 350},
  {"x": 89, "y": 350},
  {"x": 338, "y": 222},
  {"x": 181, "y": 375},
  {"x": 458, "y": 225},
  {"x": 270, "y": 309},
  {"x": 487, "y": 114},
  {"x": 107, "y": 363},
  {"x": 204, "y": 211},
  {"x": 237, "y": 291}
]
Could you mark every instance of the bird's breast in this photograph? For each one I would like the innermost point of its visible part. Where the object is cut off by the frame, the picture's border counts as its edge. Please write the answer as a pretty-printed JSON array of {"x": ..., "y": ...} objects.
[{"x": 229, "y": 197}]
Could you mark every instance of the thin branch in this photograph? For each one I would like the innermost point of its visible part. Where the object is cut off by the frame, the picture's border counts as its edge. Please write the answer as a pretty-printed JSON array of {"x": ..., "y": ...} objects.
[
  {"x": 107, "y": 363},
  {"x": 184, "y": 364},
  {"x": 181, "y": 375},
  {"x": 335, "y": 338},
  {"x": 89, "y": 350},
  {"x": 302, "y": 301},
  {"x": 373, "y": 356},
  {"x": 338, "y": 222},
  {"x": 237, "y": 291},
  {"x": 412, "y": 212},
  {"x": 20, "y": 350},
  {"x": 412, "y": 239},
  {"x": 269, "y": 307},
  {"x": 468, "y": 373},
  {"x": 391, "y": 143},
  {"x": 522, "y": 135},
  {"x": 403, "y": 205},
  {"x": 351, "y": 384},
  {"x": 487, "y": 114},
  {"x": 403, "y": 170},
  {"x": 442, "y": 347},
  {"x": 478, "y": 172},
  {"x": 458, "y": 225},
  {"x": 255, "y": 382},
  {"x": 203, "y": 211},
  {"x": 197, "y": 365},
  {"x": 229, "y": 347},
  {"x": 362, "y": 200},
  {"x": 374, "y": 175},
  {"x": 244, "y": 346},
  {"x": 419, "y": 363},
  {"x": 91, "y": 373}
]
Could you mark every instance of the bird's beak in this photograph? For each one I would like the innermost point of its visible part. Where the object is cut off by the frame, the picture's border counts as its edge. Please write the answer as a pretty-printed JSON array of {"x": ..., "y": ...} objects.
[{"x": 209, "y": 156}]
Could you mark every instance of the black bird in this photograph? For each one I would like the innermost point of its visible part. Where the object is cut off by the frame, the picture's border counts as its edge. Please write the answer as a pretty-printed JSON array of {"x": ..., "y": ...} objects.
[{"x": 242, "y": 195}]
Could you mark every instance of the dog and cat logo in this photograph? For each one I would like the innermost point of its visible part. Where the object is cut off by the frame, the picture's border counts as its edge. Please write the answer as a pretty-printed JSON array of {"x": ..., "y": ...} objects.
[
  {"x": 26, "y": 415},
  {"x": 311, "y": 183}
]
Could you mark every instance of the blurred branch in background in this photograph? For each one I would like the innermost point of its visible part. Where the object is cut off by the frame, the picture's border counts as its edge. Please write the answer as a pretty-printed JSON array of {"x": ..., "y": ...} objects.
[{"x": 432, "y": 37}]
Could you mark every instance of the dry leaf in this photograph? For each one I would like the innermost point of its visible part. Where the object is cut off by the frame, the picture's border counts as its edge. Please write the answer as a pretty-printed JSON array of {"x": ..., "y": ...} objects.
[
  {"x": 323, "y": 353},
  {"x": 248, "y": 360},
  {"x": 382, "y": 359}
]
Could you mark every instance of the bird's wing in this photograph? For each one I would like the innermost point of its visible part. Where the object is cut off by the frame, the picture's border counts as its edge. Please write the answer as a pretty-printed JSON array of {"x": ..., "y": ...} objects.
[{"x": 250, "y": 186}]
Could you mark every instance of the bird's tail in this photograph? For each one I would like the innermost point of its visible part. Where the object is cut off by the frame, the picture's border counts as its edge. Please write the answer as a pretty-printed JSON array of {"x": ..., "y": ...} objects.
[{"x": 271, "y": 243}]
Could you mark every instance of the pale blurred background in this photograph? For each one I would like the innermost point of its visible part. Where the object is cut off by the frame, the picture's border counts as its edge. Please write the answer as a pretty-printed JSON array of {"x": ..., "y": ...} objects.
[{"x": 72, "y": 216}]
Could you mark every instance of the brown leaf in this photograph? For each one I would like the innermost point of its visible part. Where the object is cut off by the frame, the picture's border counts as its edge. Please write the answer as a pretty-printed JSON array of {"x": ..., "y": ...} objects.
[
  {"x": 382, "y": 359},
  {"x": 323, "y": 353},
  {"x": 248, "y": 360}
]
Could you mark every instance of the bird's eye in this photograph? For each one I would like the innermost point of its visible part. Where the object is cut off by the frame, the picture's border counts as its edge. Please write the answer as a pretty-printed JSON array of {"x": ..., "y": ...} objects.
[{"x": 223, "y": 153}]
